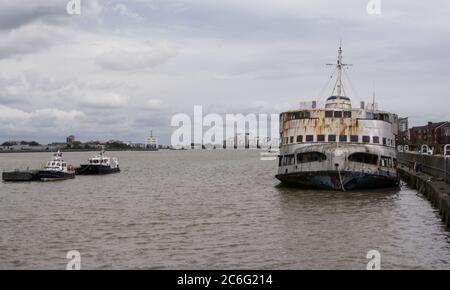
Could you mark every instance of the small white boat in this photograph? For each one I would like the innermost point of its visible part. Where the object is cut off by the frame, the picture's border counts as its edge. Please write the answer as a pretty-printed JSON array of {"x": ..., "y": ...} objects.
[{"x": 56, "y": 169}]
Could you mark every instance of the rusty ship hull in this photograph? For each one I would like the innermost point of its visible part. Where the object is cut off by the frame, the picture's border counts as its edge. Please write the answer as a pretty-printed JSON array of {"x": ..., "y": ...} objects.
[
  {"x": 331, "y": 180},
  {"x": 338, "y": 166}
]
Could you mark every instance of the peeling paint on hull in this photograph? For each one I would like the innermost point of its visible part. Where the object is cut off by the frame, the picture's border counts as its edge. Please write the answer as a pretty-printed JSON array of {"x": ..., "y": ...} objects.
[{"x": 329, "y": 180}]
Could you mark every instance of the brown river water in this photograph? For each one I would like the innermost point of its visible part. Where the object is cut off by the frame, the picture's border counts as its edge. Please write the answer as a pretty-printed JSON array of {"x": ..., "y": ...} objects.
[{"x": 209, "y": 210}]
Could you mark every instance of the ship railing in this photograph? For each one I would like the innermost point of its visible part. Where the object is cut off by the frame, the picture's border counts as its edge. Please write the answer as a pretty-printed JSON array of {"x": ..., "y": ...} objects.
[
  {"x": 309, "y": 105},
  {"x": 446, "y": 155}
]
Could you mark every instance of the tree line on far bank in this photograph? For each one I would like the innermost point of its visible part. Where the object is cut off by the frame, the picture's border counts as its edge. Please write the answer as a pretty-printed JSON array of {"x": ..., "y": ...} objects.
[
  {"x": 14, "y": 143},
  {"x": 74, "y": 145}
]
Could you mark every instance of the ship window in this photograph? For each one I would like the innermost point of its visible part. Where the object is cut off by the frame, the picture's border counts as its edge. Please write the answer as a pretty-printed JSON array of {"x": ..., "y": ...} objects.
[
  {"x": 354, "y": 138},
  {"x": 320, "y": 138},
  {"x": 384, "y": 141},
  {"x": 343, "y": 138},
  {"x": 338, "y": 114},
  {"x": 309, "y": 138},
  {"x": 309, "y": 157},
  {"x": 299, "y": 138},
  {"x": 386, "y": 161},
  {"x": 364, "y": 158},
  {"x": 331, "y": 138},
  {"x": 328, "y": 114},
  {"x": 292, "y": 139},
  {"x": 64, "y": 164},
  {"x": 347, "y": 114},
  {"x": 366, "y": 139},
  {"x": 376, "y": 140},
  {"x": 289, "y": 160},
  {"x": 280, "y": 160},
  {"x": 299, "y": 115}
]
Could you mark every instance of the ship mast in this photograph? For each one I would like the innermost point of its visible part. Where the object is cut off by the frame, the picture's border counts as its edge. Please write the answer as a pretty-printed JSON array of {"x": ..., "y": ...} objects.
[{"x": 339, "y": 86}]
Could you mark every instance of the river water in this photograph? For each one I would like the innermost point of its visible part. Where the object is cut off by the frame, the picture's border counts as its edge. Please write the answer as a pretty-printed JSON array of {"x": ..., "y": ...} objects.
[{"x": 209, "y": 210}]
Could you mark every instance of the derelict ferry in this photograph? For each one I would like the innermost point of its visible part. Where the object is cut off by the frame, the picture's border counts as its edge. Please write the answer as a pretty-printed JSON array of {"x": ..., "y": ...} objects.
[
  {"x": 56, "y": 169},
  {"x": 338, "y": 147},
  {"x": 99, "y": 165}
]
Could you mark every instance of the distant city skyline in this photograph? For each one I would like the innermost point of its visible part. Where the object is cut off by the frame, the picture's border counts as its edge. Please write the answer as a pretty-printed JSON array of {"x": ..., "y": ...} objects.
[{"x": 123, "y": 68}]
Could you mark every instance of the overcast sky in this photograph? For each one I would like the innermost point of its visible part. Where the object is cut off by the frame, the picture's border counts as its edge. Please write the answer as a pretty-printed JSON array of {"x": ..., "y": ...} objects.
[{"x": 122, "y": 68}]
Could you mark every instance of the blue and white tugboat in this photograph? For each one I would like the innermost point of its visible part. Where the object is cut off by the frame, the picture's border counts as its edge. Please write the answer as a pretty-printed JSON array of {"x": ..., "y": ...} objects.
[
  {"x": 99, "y": 165},
  {"x": 56, "y": 169}
]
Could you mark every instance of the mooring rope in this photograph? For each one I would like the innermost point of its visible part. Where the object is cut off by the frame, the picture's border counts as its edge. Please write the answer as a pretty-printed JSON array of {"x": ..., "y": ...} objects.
[
  {"x": 340, "y": 179},
  {"x": 83, "y": 169}
]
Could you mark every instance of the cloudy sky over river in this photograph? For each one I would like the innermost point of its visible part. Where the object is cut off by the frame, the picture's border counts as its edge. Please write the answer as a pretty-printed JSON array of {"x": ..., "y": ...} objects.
[{"x": 122, "y": 68}]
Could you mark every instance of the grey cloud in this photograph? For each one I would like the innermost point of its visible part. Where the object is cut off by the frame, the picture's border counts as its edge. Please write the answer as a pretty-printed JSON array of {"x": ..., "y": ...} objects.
[
  {"x": 13, "y": 90},
  {"x": 28, "y": 39},
  {"x": 104, "y": 100},
  {"x": 129, "y": 60},
  {"x": 39, "y": 123},
  {"x": 230, "y": 56},
  {"x": 14, "y": 14}
]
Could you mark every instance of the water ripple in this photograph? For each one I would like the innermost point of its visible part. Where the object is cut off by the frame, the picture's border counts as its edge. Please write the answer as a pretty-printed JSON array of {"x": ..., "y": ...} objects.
[{"x": 209, "y": 210}]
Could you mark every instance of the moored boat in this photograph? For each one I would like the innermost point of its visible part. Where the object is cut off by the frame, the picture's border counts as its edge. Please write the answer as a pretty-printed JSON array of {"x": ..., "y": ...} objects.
[
  {"x": 338, "y": 147},
  {"x": 99, "y": 165},
  {"x": 56, "y": 169}
]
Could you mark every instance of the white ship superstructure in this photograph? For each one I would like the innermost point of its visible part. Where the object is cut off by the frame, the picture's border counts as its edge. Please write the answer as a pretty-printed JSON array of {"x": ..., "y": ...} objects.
[{"x": 339, "y": 146}]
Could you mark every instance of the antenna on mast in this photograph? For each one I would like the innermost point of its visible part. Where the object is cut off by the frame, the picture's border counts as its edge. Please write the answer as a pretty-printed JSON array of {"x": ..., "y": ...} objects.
[
  {"x": 373, "y": 102},
  {"x": 339, "y": 87},
  {"x": 373, "y": 97}
]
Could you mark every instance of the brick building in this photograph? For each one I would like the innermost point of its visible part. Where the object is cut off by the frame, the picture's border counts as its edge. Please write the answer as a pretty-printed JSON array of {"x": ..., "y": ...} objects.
[{"x": 434, "y": 135}]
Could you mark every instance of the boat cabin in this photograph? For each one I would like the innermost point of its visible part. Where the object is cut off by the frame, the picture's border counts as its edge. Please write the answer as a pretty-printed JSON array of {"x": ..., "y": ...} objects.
[
  {"x": 57, "y": 164},
  {"x": 101, "y": 160}
]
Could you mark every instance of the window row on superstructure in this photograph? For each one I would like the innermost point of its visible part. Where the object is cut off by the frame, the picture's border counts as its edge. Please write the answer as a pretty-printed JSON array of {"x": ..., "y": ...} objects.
[
  {"x": 328, "y": 114},
  {"x": 341, "y": 138},
  {"x": 358, "y": 157}
]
